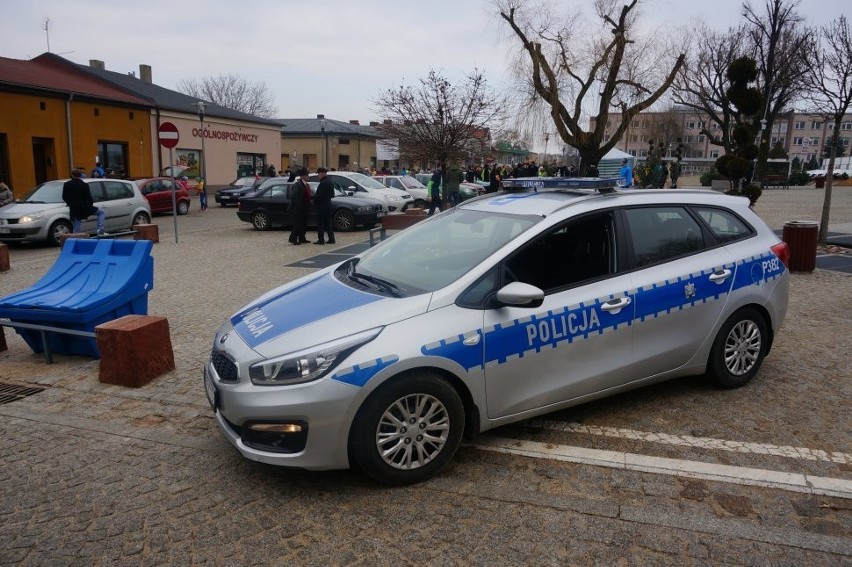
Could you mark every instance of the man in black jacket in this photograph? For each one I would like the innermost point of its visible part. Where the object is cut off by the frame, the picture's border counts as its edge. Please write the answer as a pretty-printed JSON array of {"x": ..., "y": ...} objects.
[
  {"x": 300, "y": 200},
  {"x": 76, "y": 194},
  {"x": 322, "y": 203}
]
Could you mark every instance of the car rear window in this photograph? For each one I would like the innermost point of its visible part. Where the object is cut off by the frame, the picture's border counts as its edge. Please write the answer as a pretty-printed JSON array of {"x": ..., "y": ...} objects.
[{"x": 725, "y": 225}]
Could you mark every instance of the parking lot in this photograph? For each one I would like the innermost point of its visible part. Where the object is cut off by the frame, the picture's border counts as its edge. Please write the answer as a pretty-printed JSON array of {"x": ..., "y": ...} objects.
[{"x": 678, "y": 473}]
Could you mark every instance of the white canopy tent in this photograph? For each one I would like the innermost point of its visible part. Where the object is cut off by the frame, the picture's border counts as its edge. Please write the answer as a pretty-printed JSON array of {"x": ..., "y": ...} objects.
[{"x": 610, "y": 164}]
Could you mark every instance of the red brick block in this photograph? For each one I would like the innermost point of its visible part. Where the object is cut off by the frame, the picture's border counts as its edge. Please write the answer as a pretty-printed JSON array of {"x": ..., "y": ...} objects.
[
  {"x": 416, "y": 211},
  {"x": 147, "y": 232},
  {"x": 400, "y": 222},
  {"x": 4, "y": 257},
  {"x": 134, "y": 349}
]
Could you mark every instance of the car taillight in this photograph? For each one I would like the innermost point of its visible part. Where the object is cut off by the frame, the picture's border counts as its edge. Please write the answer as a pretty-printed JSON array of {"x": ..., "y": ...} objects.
[{"x": 783, "y": 252}]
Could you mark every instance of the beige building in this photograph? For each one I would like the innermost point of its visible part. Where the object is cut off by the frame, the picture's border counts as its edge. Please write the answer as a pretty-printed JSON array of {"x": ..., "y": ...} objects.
[
  {"x": 802, "y": 135},
  {"x": 321, "y": 141}
]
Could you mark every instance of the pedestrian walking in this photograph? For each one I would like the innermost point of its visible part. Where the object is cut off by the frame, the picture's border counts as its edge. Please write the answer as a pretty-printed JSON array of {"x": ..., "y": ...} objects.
[
  {"x": 322, "y": 205},
  {"x": 435, "y": 193},
  {"x": 300, "y": 200},
  {"x": 626, "y": 174},
  {"x": 202, "y": 195},
  {"x": 76, "y": 194},
  {"x": 494, "y": 180},
  {"x": 452, "y": 184},
  {"x": 674, "y": 173}
]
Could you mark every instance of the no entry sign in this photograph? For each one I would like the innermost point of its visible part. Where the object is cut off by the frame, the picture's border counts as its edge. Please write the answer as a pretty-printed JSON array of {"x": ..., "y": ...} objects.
[{"x": 168, "y": 134}]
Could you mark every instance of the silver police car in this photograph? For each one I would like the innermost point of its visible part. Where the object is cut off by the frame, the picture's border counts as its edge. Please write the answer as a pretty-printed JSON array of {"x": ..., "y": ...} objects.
[{"x": 510, "y": 305}]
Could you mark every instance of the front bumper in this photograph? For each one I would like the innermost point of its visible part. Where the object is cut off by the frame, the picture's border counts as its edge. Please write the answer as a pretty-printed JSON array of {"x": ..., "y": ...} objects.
[{"x": 320, "y": 407}]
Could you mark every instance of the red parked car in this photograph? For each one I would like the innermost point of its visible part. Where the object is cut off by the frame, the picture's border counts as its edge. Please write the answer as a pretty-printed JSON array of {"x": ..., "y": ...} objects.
[{"x": 158, "y": 191}]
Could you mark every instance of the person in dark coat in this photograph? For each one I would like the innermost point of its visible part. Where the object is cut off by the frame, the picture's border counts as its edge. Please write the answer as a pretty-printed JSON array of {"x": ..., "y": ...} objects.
[
  {"x": 322, "y": 204},
  {"x": 300, "y": 200},
  {"x": 435, "y": 193},
  {"x": 270, "y": 171},
  {"x": 76, "y": 194},
  {"x": 494, "y": 181}
]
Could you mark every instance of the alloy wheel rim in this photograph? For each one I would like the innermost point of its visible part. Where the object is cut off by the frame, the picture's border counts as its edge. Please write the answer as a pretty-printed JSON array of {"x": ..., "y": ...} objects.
[
  {"x": 742, "y": 348},
  {"x": 412, "y": 431}
]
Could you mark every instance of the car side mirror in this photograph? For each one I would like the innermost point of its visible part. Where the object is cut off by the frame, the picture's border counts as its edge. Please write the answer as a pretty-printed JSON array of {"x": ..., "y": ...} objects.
[
  {"x": 519, "y": 294},
  {"x": 350, "y": 193}
]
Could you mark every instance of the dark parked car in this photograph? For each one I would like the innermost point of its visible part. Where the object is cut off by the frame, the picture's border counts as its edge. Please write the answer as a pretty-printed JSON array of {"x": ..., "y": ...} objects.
[
  {"x": 268, "y": 208},
  {"x": 158, "y": 191},
  {"x": 241, "y": 187}
]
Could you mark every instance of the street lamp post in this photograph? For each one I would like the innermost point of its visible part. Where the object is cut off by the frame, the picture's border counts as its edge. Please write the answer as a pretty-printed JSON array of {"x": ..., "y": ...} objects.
[
  {"x": 200, "y": 106},
  {"x": 322, "y": 131},
  {"x": 546, "y": 139}
]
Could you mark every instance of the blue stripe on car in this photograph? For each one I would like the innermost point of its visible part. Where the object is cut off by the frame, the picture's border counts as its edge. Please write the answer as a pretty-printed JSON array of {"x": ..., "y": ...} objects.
[
  {"x": 296, "y": 307},
  {"x": 359, "y": 374}
]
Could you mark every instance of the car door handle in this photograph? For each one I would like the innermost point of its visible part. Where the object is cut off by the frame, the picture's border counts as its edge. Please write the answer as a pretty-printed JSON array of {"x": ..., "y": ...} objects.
[
  {"x": 720, "y": 276},
  {"x": 616, "y": 305}
]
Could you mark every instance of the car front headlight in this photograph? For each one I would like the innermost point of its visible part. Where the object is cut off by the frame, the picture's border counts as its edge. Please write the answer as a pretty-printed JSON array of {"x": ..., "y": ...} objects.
[
  {"x": 394, "y": 198},
  {"x": 32, "y": 217},
  {"x": 365, "y": 209},
  {"x": 309, "y": 364}
]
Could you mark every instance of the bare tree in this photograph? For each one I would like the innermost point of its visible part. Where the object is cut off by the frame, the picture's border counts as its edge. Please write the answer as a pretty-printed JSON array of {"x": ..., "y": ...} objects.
[
  {"x": 702, "y": 82},
  {"x": 234, "y": 92},
  {"x": 779, "y": 41},
  {"x": 829, "y": 92},
  {"x": 609, "y": 74},
  {"x": 437, "y": 121}
]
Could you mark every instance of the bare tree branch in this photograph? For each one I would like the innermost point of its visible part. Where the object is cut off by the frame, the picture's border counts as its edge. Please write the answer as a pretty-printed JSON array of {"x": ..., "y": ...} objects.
[{"x": 234, "y": 92}]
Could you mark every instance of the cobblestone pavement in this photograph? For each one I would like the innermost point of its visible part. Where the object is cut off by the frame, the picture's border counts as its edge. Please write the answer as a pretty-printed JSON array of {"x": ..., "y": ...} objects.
[{"x": 102, "y": 475}]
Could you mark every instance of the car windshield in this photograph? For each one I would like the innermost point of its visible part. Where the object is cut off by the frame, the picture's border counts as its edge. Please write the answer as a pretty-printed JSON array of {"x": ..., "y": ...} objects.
[
  {"x": 435, "y": 253},
  {"x": 50, "y": 192},
  {"x": 364, "y": 181},
  {"x": 411, "y": 183},
  {"x": 244, "y": 181}
]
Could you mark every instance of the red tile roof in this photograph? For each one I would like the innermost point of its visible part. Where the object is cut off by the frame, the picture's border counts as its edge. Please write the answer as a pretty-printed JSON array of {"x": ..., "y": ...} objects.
[{"x": 51, "y": 72}]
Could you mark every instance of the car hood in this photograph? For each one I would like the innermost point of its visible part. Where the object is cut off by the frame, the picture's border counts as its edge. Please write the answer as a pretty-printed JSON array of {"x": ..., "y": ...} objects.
[
  {"x": 356, "y": 201},
  {"x": 317, "y": 309},
  {"x": 15, "y": 210}
]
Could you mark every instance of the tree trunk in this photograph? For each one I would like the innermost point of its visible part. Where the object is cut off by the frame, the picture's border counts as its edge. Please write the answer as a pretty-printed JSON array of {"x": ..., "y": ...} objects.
[{"x": 829, "y": 178}]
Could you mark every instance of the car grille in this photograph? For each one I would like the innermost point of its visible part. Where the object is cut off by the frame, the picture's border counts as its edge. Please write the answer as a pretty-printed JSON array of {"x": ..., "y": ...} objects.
[{"x": 225, "y": 367}]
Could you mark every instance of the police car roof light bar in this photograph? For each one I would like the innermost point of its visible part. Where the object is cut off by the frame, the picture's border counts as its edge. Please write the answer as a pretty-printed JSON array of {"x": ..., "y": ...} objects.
[{"x": 574, "y": 184}]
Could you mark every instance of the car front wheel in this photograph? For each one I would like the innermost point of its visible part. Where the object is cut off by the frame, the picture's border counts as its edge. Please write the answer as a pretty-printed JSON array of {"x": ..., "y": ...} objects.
[
  {"x": 408, "y": 430},
  {"x": 56, "y": 230},
  {"x": 343, "y": 220},
  {"x": 260, "y": 221},
  {"x": 183, "y": 207},
  {"x": 739, "y": 349}
]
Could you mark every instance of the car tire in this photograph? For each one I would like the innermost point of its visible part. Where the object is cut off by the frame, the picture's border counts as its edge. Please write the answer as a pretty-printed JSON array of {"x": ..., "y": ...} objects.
[
  {"x": 420, "y": 204},
  {"x": 343, "y": 220},
  {"x": 141, "y": 218},
  {"x": 408, "y": 429},
  {"x": 260, "y": 221},
  {"x": 739, "y": 349},
  {"x": 182, "y": 207},
  {"x": 56, "y": 230}
]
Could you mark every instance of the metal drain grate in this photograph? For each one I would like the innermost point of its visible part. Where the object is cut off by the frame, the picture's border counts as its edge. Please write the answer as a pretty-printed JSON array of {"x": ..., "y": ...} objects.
[{"x": 11, "y": 393}]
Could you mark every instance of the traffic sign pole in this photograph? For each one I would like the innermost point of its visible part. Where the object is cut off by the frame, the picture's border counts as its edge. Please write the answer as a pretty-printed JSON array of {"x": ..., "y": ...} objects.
[{"x": 169, "y": 137}]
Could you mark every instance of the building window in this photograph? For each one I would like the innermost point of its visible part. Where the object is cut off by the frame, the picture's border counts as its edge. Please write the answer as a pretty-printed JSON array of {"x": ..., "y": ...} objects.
[
  {"x": 343, "y": 141},
  {"x": 113, "y": 157},
  {"x": 701, "y": 137},
  {"x": 97, "y": 112},
  {"x": 799, "y": 125},
  {"x": 797, "y": 141},
  {"x": 816, "y": 125},
  {"x": 846, "y": 125},
  {"x": 42, "y": 106},
  {"x": 690, "y": 125},
  {"x": 130, "y": 114},
  {"x": 714, "y": 154}
]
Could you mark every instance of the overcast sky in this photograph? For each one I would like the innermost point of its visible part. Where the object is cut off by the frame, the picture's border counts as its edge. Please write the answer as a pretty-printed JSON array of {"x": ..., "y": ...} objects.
[{"x": 329, "y": 57}]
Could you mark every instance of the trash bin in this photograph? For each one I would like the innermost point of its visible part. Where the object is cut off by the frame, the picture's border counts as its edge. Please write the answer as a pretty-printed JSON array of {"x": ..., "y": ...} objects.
[
  {"x": 91, "y": 282},
  {"x": 801, "y": 239},
  {"x": 819, "y": 182}
]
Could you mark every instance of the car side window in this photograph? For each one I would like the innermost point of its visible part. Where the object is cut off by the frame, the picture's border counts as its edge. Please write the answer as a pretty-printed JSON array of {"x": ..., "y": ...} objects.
[
  {"x": 724, "y": 225},
  {"x": 660, "y": 234},
  {"x": 167, "y": 185},
  {"x": 397, "y": 184},
  {"x": 97, "y": 190},
  {"x": 579, "y": 251},
  {"x": 116, "y": 190}
]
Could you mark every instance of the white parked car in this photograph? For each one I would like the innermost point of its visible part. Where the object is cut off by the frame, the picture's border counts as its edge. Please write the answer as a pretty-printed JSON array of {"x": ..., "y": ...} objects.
[
  {"x": 407, "y": 184},
  {"x": 43, "y": 216},
  {"x": 360, "y": 185}
]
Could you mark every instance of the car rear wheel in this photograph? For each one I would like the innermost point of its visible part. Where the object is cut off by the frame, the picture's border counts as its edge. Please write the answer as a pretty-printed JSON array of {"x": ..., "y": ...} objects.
[
  {"x": 183, "y": 207},
  {"x": 739, "y": 349},
  {"x": 420, "y": 204},
  {"x": 260, "y": 221},
  {"x": 141, "y": 218},
  {"x": 408, "y": 429},
  {"x": 57, "y": 229},
  {"x": 343, "y": 220}
]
